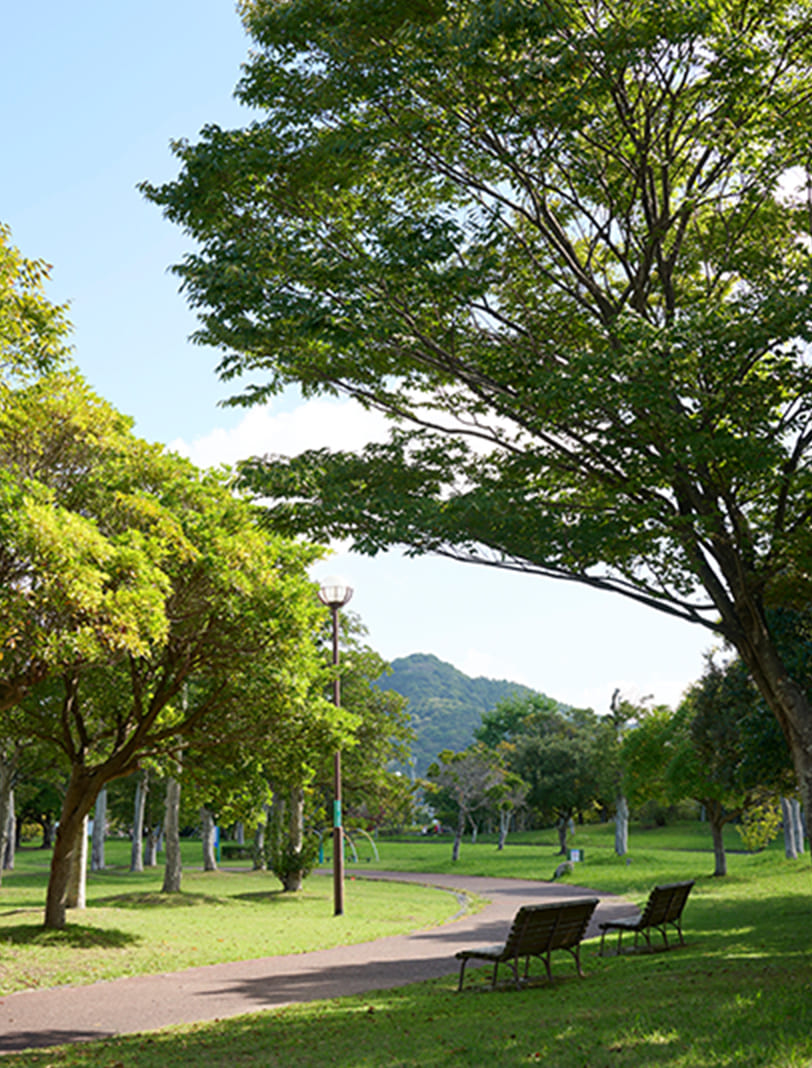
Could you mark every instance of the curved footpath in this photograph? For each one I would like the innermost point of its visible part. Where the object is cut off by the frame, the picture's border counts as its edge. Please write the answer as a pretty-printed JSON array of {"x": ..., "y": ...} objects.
[{"x": 39, "y": 1018}]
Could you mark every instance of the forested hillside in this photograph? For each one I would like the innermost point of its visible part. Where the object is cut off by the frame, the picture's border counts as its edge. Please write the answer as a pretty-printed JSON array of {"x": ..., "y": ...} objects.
[{"x": 445, "y": 704}]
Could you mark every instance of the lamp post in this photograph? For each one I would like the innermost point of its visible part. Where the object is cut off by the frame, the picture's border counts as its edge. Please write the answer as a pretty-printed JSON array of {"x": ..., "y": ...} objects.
[{"x": 335, "y": 593}]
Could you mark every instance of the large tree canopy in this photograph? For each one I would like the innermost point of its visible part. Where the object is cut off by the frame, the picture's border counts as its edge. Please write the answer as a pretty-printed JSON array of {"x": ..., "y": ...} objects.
[{"x": 567, "y": 245}]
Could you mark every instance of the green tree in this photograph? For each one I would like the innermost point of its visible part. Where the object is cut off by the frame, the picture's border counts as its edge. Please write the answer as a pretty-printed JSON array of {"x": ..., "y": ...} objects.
[
  {"x": 567, "y": 765},
  {"x": 460, "y": 784},
  {"x": 645, "y": 753},
  {"x": 728, "y": 752},
  {"x": 33, "y": 331},
  {"x": 563, "y": 245},
  {"x": 129, "y": 574}
]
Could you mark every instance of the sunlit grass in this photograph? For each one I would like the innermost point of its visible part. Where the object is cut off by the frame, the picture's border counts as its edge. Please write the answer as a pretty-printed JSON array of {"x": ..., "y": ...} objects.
[{"x": 737, "y": 995}]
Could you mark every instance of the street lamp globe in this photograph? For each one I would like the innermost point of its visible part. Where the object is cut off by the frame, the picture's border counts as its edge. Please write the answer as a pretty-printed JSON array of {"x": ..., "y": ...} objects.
[{"x": 335, "y": 592}]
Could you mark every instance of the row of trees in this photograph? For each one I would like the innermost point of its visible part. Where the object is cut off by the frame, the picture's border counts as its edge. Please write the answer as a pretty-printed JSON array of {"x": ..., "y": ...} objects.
[
  {"x": 721, "y": 748},
  {"x": 148, "y": 615}
]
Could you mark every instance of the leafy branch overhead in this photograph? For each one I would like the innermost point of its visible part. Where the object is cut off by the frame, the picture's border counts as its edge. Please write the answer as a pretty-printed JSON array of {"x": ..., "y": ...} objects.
[{"x": 566, "y": 246}]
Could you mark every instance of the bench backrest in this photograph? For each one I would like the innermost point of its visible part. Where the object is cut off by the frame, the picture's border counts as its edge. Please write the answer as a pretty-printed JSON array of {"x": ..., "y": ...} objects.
[
  {"x": 665, "y": 903},
  {"x": 541, "y": 928}
]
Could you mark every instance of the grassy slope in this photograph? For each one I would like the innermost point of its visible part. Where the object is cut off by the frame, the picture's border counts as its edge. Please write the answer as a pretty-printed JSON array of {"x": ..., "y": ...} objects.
[{"x": 739, "y": 994}]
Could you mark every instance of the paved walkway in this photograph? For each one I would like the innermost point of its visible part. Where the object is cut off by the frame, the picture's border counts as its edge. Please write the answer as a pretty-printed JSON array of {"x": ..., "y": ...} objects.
[{"x": 39, "y": 1018}]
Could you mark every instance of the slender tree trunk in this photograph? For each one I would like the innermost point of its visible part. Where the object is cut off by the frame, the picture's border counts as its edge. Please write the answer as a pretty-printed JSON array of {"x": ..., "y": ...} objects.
[
  {"x": 788, "y": 820},
  {"x": 76, "y": 897},
  {"x": 504, "y": 827},
  {"x": 137, "y": 851},
  {"x": 48, "y": 834},
  {"x": 621, "y": 826},
  {"x": 151, "y": 851},
  {"x": 7, "y": 768},
  {"x": 562, "y": 837},
  {"x": 99, "y": 828},
  {"x": 455, "y": 849},
  {"x": 11, "y": 835},
  {"x": 717, "y": 820},
  {"x": 173, "y": 867},
  {"x": 798, "y": 825},
  {"x": 260, "y": 862},
  {"x": 209, "y": 857},
  {"x": 239, "y": 833}
]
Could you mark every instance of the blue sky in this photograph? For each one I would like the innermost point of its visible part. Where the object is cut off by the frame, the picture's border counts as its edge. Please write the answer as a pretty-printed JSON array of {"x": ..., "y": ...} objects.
[{"x": 93, "y": 93}]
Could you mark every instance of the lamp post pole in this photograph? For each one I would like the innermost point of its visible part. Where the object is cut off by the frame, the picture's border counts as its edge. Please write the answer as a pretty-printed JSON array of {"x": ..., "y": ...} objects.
[{"x": 335, "y": 593}]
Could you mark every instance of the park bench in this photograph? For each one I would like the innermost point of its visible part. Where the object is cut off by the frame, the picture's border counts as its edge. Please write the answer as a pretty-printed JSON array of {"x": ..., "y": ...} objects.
[
  {"x": 664, "y": 906},
  {"x": 536, "y": 931}
]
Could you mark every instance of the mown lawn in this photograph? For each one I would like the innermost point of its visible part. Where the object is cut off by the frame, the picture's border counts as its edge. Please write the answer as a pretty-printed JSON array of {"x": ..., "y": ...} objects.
[{"x": 739, "y": 994}]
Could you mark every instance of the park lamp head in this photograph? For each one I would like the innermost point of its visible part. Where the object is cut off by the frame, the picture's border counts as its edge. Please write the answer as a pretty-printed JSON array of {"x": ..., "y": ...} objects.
[{"x": 335, "y": 592}]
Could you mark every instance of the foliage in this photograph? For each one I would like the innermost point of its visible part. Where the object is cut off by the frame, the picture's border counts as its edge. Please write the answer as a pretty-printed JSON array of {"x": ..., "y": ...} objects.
[
  {"x": 33, "y": 331},
  {"x": 142, "y": 603},
  {"x": 567, "y": 247},
  {"x": 759, "y": 825}
]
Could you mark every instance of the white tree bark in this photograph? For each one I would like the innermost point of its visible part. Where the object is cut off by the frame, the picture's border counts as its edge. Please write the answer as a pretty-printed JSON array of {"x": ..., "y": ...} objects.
[
  {"x": 798, "y": 825},
  {"x": 99, "y": 829},
  {"x": 621, "y": 826},
  {"x": 151, "y": 852},
  {"x": 137, "y": 854},
  {"x": 77, "y": 881},
  {"x": 208, "y": 832},
  {"x": 788, "y": 820},
  {"x": 7, "y": 768},
  {"x": 173, "y": 867}
]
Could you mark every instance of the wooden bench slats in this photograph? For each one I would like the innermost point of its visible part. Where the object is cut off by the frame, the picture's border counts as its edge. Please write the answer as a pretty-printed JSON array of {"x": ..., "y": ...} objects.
[
  {"x": 663, "y": 908},
  {"x": 536, "y": 931}
]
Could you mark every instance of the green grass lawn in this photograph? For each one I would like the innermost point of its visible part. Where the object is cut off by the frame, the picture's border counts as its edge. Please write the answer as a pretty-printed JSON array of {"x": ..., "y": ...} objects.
[{"x": 738, "y": 995}]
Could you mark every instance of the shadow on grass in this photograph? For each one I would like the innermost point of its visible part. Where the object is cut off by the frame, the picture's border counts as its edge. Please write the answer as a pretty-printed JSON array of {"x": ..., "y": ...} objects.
[
  {"x": 149, "y": 899},
  {"x": 270, "y": 897},
  {"x": 72, "y": 936}
]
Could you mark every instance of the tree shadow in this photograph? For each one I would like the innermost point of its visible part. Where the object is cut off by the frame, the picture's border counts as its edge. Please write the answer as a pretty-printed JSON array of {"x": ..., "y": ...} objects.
[
  {"x": 150, "y": 899},
  {"x": 72, "y": 936}
]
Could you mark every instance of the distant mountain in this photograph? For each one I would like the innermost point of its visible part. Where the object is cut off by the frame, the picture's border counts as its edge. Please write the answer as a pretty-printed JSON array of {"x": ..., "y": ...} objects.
[{"x": 445, "y": 704}]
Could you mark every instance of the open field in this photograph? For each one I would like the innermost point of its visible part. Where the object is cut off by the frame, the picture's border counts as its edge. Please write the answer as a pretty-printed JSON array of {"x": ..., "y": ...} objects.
[{"x": 739, "y": 994}]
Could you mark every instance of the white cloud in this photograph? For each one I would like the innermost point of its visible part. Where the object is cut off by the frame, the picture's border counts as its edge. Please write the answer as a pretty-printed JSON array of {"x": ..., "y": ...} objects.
[{"x": 339, "y": 424}]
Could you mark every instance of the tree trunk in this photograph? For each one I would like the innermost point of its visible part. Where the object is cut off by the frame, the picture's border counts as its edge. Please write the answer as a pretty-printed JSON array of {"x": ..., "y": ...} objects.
[
  {"x": 208, "y": 833},
  {"x": 11, "y": 835},
  {"x": 239, "y": 833},
  {"x": 99, "y": 828},
  {"x": 294, "y": 878},
  {"x": 151, "y": 852},
  {"x": 562, "y": 837},
  {"x": 455, "y": 849},
  {"x": 260, "y": 863},
  {"x": 137, "y": 852},
  {"x": 504, "y": 827},
  {"x": 798, "y": 825},
  {"x": 48, "y": 834},
  {"x": 80, "y": 797},
  {"x": 788, "y": 820},
  {"x": 76, "y": 897},
  {"x": 621, "y": 826},
  {"x": 6, "y": 804},
  {"x": 173, "y": 867},
  {"x": 717, "y": 820}
]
